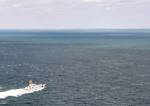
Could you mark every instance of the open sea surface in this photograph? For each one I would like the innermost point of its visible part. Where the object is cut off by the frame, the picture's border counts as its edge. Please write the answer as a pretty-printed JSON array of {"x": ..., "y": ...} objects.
[{"x": 110, "y": 68}]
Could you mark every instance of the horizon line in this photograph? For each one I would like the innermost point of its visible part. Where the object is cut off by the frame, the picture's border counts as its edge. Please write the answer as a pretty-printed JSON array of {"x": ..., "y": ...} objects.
[{"x": 40, "y": 29}]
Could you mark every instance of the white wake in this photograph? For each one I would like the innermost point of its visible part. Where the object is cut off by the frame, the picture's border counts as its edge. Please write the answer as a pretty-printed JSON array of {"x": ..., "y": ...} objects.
[{"x": 21, "y": 91}]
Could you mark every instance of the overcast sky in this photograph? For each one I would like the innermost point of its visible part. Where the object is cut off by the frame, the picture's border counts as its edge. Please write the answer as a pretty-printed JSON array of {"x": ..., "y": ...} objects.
[{"x": 70, "y": 14}]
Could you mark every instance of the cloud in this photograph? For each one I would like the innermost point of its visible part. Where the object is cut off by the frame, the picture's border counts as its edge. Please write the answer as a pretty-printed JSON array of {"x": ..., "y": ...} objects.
[
  {"x": 65, "y": 3},
  {"x": 42, "y": 6},
  {"x": 117, "y": 2},
  {"x": 11, "y": 3},
  {"x": 69, "y": 1},
  {"x": 39, "y": 5},
  {"x": 73, "y": 13}
]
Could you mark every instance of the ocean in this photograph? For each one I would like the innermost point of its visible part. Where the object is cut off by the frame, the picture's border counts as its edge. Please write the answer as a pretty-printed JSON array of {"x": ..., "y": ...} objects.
[{"x": 79, "y": 68}]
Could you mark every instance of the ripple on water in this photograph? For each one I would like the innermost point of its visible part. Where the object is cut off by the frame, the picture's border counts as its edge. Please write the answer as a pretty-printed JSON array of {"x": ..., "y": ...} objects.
[{"x": 3, "y": 102}]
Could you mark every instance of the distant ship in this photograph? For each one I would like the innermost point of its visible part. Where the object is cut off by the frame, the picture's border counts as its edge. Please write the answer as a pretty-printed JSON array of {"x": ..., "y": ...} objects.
[{"x": 36, "y": 87}]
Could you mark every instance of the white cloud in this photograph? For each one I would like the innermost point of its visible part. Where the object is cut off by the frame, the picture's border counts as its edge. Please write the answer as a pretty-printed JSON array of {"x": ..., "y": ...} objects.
[
  {"x": 38, "y": 5},
  {"x": 117, "y": 2},
  {"x": 73, "y": 13},
  {"x": 65, "y": 3}
]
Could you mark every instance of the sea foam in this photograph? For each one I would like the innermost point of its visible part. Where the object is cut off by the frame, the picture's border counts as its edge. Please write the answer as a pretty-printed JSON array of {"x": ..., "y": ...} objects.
[{"x": 21, "y": 91}]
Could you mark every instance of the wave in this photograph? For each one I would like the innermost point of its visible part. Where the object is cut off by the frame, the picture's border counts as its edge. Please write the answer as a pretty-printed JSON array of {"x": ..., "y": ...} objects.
[{"x": 21, "y": 91}]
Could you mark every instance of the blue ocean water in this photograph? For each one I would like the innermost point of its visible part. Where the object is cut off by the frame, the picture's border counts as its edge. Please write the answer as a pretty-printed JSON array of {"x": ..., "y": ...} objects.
[{"x": 99, "y": 68}]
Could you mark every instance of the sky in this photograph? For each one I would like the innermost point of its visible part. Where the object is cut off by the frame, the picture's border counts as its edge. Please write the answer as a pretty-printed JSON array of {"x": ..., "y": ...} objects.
[{"x": 74, "y": 14}]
